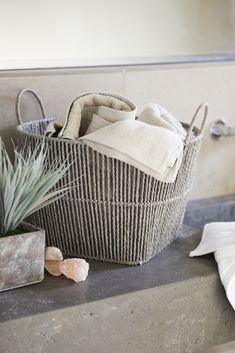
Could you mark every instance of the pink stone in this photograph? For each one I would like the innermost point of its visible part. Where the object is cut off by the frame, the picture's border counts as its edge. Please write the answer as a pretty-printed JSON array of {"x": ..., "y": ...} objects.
[
  {"x": 53, "y": 257},
  {"x": 53, "y": 253},
  {"x": 76, "y": 269},
  {"x": 53, "y": 267}
]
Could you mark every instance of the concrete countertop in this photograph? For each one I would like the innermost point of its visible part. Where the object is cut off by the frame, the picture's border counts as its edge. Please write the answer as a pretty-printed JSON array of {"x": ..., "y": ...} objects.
[
  {"x": 106, "y": 280},
  {"x": 173, "y": 301}
]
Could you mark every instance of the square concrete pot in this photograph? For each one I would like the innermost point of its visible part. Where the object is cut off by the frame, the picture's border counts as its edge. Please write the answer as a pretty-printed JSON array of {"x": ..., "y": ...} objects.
[{"x": 22, "y": 258}]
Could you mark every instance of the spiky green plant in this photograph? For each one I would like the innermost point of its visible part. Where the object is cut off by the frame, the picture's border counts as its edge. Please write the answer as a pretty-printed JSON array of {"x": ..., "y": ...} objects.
[{"x": 25, "y": 185}]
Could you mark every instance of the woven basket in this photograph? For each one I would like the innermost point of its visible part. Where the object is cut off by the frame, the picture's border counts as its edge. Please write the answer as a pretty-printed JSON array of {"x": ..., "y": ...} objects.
[{"x": 115, "y": 213}]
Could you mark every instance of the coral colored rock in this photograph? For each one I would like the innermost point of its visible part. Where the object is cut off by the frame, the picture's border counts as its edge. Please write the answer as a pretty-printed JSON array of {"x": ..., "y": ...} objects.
[
  {"x": 76, "y": 269},
  {"x": 53, "y": 267},
  {"x": 53, "y": 257},
  {"x": 53, "y": 253}
]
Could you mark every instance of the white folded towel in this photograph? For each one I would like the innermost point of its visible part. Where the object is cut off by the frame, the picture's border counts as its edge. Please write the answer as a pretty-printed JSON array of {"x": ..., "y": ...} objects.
[
  {"x": 107, "y": 124},
  {"x": 154, "y": 150},
  {"x": 110, "y": 107},
  {"x": 155, "y": 114},
  {"x": 220, "y": 238}
]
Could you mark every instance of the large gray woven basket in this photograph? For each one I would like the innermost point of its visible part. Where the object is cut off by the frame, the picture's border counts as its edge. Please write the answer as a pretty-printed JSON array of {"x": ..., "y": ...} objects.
[{"x": 115, "y": 212}]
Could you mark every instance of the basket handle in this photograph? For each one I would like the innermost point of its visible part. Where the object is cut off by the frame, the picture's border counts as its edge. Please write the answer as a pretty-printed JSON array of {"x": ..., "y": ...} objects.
[
  {"x": 18, "y": 103},
  {"x": 201, "y": 106}
]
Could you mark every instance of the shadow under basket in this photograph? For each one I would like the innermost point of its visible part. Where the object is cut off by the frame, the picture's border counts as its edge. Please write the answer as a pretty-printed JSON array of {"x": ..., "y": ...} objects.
[{"x": 115, "y": 212}]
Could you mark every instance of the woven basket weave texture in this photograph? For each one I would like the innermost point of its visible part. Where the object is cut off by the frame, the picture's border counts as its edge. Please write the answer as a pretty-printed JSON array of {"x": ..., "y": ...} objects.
[{"x": 115, "y": 212}]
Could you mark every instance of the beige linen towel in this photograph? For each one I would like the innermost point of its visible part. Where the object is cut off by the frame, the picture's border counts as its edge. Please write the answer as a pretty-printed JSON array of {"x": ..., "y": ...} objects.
[
  {"x": 110, "y": 107},
  {"x": 96, "y": 124},
  {"x": 155, "y": 114},
  {"x": 107, "y": 124},
  {"x": 154, "y": 150}
]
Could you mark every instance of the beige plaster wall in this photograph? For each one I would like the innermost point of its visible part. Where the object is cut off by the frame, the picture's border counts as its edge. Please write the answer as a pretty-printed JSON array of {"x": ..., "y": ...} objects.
[
  {"x": 61, "y": 33},
  {"x": 179, "y": 88}
]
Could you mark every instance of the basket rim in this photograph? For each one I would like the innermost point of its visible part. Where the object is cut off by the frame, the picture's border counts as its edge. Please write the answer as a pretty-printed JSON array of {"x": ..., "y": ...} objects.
[{"x": 194, "y": 138}]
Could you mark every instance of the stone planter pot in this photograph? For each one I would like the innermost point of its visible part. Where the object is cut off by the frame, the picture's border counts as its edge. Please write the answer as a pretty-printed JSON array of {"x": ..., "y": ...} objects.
[{"x": 22, "y": 258}]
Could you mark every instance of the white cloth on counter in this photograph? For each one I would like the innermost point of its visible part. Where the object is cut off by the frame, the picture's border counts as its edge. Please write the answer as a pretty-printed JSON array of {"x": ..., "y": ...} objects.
[
  {"x": 219, "y": 238},
  {"x": 154, "y": 150},
  {"x": 106, "y": 123},
  {"x": 155, "y": 114},
  {"x": 110, "y": 107}
]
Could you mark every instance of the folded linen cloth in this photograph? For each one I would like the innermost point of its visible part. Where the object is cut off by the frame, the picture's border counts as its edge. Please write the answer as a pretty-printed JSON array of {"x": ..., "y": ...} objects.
[
  {"x": 155, "y": 114},
  {"x": 96, "y": 123},
  {"x": 219, "y": 238},
  {"x": 110, "y": 107},
  {"x": 107, "y": 124},
  {"x": 154, "y": 150}
]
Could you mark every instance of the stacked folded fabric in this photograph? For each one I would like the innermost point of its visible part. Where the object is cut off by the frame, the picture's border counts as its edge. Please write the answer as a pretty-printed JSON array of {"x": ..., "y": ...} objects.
[
  {"x": 107, "y": 123},
  {"x": 219, "y": 238}
]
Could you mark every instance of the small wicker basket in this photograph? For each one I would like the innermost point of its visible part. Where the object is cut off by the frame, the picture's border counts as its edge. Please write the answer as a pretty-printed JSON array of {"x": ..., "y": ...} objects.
[{"x": 115, "y": 213}]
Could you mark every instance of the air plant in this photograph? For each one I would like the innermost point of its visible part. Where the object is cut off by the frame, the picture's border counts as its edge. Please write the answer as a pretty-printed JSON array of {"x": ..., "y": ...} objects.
[{"x": 26, "y": 185}]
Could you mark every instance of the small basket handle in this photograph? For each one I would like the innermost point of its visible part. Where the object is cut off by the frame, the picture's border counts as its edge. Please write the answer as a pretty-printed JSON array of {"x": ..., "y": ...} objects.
[
  {"x": 201, "y": 106},
  {"x": 18, "y": 103}
]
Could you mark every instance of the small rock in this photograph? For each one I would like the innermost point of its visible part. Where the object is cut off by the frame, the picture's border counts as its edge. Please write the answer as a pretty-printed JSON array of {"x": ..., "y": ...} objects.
[
  {"x": 53, "y": 267},
  {"x": 76, "y": 269},
  {"x": 53, "y": 253},
  {"x": 53, "y": 257}
]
